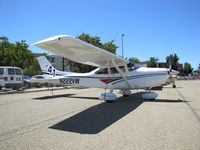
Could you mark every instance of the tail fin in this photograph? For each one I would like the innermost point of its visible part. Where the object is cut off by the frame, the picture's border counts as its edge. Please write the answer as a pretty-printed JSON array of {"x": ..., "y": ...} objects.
[{"x": 46, "y": 66}]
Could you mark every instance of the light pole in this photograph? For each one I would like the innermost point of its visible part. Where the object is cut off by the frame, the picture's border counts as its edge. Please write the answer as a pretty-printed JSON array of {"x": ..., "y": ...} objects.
[{"x": 122, "y": 45}]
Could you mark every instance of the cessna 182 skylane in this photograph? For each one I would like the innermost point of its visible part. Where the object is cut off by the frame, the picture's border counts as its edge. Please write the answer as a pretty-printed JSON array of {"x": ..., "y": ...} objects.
[{"x": 113, "y": 72}]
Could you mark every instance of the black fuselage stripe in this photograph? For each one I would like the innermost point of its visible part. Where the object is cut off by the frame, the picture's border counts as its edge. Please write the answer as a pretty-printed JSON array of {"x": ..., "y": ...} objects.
[{"x": 118, "y": 79}]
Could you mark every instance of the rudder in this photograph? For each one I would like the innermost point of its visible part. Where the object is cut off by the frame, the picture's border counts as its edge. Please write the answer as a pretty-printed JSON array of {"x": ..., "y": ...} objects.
[{"x": 46, "y": 66}]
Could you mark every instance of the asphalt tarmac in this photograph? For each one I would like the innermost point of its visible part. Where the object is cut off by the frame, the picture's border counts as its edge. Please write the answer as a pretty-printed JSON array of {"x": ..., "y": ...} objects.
[{"x": 76, "y": 119}]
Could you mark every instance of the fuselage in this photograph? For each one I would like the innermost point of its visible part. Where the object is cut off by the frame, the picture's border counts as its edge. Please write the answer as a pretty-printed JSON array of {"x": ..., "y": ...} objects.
[{"x": 138, "y": 78}]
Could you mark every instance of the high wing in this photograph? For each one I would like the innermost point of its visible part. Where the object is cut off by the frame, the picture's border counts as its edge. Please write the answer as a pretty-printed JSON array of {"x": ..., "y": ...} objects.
[{"x": 80, "y": 51}]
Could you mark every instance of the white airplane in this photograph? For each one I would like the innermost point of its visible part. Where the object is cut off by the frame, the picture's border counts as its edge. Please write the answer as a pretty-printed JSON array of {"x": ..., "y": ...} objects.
[{"x": 113, "y": 72}]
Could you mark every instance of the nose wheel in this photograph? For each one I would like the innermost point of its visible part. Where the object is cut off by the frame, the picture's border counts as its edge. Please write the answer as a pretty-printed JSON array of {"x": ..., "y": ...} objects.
[
  {"x": 110, "y": 101},
  {"x": 174, "y": 85}
]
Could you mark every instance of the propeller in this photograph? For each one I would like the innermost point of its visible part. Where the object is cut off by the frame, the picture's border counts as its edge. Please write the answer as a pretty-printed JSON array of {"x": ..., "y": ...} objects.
[{"x": 171, "y": 71}]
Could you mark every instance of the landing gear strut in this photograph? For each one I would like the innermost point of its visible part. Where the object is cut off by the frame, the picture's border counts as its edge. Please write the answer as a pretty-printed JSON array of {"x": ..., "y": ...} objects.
[{"x": 174, "y": 85}]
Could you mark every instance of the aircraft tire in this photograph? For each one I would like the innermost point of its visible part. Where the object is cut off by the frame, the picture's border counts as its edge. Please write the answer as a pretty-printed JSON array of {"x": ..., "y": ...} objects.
[
  {"x": 174, "y": 86},
  {"x": 109, "y": 101},
  {"x": 125, "y": 95}
]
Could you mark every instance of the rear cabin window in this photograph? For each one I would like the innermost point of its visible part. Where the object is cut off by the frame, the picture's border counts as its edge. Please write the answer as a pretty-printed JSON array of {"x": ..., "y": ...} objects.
[
  {"x": 113, "y": 70},
  {"x": 1, "y": 71},
  {"x": 11, "y": 71},
  {"x": 18, "y": 72}
]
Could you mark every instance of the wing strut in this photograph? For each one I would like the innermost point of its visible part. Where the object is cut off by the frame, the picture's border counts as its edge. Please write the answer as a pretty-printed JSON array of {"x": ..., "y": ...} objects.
[{"x": 120, "y": 72}]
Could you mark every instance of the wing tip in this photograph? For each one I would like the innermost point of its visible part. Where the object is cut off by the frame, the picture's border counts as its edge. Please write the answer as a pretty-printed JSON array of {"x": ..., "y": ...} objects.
[{"x": 57, "y": 37}]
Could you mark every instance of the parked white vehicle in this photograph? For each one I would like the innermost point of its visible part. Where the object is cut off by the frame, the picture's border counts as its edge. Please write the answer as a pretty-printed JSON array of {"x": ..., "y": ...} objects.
[{"x": 11, "y": 77}]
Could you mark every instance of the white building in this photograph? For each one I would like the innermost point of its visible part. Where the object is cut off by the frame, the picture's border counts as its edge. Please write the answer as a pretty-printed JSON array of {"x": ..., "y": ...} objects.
[{"x": 56, "y": 61}]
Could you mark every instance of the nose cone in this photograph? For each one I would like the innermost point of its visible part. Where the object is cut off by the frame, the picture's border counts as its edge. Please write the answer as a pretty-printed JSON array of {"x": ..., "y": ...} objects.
[{"x": 174, "y": 72}]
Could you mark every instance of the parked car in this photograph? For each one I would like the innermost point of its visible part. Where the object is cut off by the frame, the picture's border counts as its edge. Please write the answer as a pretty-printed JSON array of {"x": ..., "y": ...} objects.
[
  {"x": 38, "y": 77},
  {"x": 43, "y": 84},
  {"x": 11, "y": 77},
  {"x": 28, "y": 84}
]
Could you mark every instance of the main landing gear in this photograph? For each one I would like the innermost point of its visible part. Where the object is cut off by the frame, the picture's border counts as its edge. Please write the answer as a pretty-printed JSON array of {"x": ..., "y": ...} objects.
[
  {"x": 108, "y": 97},
  {"x": 149, "y": 95},
  {"x": 125, "y": 93}
]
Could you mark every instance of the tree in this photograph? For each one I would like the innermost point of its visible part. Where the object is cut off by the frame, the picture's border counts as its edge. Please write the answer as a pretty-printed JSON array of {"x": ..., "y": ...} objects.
[
  {"x": 17, "y": 55},
  {"x": 187, "y": 69},
  {"x": 172, "y": 60},
  {"x": 96, "y": 41},
  {"x": 110, "y": 46},
  {"x": 136, "y": 60},
  {"x": 4, "y": 45},
  {"x": 153, "y": 62}
]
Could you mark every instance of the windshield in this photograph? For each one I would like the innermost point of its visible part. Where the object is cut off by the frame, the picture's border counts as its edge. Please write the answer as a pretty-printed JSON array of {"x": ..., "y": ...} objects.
[{"x": 132, "y": 65}]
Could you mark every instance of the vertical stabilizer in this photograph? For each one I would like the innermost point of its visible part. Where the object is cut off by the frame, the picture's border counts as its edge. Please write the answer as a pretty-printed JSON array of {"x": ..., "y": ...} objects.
[{"x": 46, "y": 66}]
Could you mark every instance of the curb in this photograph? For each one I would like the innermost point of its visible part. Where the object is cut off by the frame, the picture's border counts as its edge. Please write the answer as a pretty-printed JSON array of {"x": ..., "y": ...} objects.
[{"x": 31, "y": 90}]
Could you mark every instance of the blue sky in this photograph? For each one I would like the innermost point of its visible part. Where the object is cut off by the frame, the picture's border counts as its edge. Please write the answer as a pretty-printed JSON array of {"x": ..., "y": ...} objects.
[{"x": 151, "y": 27}]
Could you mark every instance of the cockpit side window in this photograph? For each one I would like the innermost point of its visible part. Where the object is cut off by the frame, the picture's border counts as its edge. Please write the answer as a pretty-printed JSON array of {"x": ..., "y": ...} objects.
[{"x": 102, "y": 71}]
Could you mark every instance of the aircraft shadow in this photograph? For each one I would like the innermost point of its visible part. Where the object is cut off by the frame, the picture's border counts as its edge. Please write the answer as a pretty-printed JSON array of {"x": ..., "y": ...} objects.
[
  {"x": 96, "y": 118},
  {"x": 53, "y": 96},
  {"x": 165, "y": 101},
  {"x": 83, "y": 97},
  {"x": 170, "y": 87}
]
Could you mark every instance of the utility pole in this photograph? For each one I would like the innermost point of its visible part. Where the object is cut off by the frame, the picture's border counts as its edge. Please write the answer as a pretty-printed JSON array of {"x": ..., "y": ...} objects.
[
  {"x": 63, "y": 63},
  {"x": 122, "y": 45}
]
